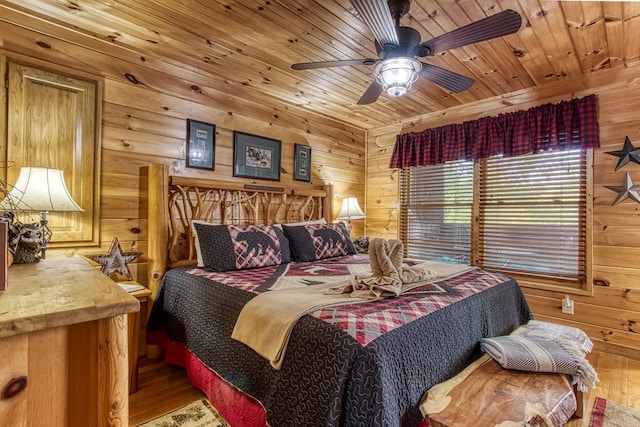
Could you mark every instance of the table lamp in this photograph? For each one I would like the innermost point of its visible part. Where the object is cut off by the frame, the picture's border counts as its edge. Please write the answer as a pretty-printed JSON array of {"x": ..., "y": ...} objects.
[
  {"x": 43, "y": 190},
  {"x": 350, "y": 210}
]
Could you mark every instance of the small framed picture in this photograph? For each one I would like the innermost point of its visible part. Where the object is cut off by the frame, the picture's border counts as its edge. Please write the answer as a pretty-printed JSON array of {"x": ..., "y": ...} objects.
[
  {"x": 302, "y": 163},
  {"x": 256, "y": 156},
  {"x": 201, "y": 145}
]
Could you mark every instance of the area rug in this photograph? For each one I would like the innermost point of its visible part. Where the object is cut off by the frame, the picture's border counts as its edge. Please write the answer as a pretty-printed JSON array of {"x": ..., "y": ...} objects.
[
  {"x": 607, "y": 413},
  {"x": 196, "y": 414}
]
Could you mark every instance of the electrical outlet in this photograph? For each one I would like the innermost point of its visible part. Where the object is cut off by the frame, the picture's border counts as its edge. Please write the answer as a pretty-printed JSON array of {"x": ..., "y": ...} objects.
[{"x": 567, "y": 305}]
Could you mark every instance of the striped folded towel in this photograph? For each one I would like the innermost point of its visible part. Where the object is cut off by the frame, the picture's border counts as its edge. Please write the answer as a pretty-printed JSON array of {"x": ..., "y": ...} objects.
[
  {"x": 556, "y": 332},
  {"x": 537, "y": 354}
]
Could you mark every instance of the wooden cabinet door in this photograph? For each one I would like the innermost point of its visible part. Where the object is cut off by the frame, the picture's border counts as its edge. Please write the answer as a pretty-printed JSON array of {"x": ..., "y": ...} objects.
[{"x": 52, "y": 123}]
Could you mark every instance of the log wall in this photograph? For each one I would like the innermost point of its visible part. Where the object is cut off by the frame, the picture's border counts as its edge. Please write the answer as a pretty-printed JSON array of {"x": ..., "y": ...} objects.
[
  {"x": 611, "y": 316},
  {"x": 146, "y": 102},
  {"x": 144, "y": 112}
]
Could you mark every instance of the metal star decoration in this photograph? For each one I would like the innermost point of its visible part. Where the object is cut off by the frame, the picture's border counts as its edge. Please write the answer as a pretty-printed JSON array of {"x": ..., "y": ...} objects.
[
  {"x": 627, "y": 190},
  {"x": 115, "y": 261},
  {"x": 628, "y": 152}
]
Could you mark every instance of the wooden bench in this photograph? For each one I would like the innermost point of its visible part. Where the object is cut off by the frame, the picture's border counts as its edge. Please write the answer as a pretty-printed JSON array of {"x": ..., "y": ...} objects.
[{"x": 485, "y": 394}]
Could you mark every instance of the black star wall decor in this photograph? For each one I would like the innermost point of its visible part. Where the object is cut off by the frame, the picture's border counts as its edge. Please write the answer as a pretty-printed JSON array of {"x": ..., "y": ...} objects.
[
  {"x": 628, "y": 190},
  {"x": 628, "y": 153},
  {"x": 115, "y": 261}
]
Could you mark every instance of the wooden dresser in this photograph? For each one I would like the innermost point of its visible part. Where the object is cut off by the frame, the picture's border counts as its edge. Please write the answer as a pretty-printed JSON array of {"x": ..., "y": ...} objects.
[{"x": 63, "y": 346}]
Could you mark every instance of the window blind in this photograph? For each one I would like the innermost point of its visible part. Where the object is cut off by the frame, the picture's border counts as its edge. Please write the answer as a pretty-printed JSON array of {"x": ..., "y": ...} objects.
[
  {"x": 532, "y": 214},
  {"x": 528, "y": 214},
  {"x": 436, "y": 204}
]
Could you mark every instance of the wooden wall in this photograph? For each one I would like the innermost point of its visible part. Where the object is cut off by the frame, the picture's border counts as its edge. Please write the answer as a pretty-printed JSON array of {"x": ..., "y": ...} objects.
[
  {"x": 145, "y": 107},
  {"x": 146, "y": 103},
  {"x": 611, "y": 316}
]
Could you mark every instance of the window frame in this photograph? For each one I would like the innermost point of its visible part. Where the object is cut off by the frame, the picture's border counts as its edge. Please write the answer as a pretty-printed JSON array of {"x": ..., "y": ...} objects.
[{"x": 526, "y": 280}]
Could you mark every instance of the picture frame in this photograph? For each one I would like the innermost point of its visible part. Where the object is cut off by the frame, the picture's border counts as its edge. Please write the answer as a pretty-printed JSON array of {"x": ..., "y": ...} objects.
[
  {"x": 201, "y": 145},
  {"x": 256, "y": 156},
  {"x": 302, "y": 163}
]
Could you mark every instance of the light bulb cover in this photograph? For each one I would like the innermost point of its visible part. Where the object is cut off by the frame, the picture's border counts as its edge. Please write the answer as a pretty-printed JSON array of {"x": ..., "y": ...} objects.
[{"x": 396, "y": 75}]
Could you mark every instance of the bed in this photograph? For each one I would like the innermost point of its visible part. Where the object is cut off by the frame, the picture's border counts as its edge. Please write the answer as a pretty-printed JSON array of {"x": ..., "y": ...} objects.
[{"x": 367, "y": 363}]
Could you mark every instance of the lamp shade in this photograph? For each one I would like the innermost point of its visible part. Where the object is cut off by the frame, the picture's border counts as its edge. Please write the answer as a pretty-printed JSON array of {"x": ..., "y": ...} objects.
[
  {"x": 40, "y": 189},
  {"x": 350, "y": 209}
]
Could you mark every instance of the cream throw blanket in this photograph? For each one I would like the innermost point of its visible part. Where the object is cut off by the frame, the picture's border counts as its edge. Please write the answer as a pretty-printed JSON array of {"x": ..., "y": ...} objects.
[
  {"x": 265, "y": 322},
  {"x": 389, "y": 276}
]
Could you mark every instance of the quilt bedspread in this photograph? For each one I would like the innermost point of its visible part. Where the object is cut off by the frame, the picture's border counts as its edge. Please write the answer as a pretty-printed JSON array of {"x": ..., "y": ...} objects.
[{"x": 366, "y": 364}]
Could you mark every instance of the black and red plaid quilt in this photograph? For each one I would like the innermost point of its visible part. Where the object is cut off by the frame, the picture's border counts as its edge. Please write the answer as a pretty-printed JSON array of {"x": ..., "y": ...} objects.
[{"x": 351, "y": 365}]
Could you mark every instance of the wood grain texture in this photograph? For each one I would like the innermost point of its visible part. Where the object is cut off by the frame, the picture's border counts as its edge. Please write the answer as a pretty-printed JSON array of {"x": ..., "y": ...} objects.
[
  {"x": 14, "y": 353},
  {"x": 486, "y": 394},
  {"x": 238, "y": 57},
  {"x": 175, "y": 201},
  {"x": 610, "y": 311},
  {"x": 59, "y": 292},
  {"x": 64, "y": 333},
  {"x": 52, "y": 123},
  {"x": 230, "y": 65},
  {"x": 146, "y": 123}
]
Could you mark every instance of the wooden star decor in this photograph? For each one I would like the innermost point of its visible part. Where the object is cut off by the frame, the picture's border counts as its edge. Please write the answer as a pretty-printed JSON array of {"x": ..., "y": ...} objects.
[
  {"x": 628, "y": 153},
  {"x": 628, "y": 190},
  {"x": 115, "y": 261}
]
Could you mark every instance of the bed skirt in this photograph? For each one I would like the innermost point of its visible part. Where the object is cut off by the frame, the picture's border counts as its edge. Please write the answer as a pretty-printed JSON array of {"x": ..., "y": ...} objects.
[{"x": 236, "y": 407}]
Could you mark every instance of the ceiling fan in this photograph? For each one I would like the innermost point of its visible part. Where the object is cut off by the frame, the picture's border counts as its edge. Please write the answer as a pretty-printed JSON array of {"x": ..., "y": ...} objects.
[{"x": 396, "y": 67}]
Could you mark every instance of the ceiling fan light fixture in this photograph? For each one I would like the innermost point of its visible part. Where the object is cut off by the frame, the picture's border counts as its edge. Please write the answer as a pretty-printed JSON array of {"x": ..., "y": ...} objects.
[{"x": 396, "y": 75}]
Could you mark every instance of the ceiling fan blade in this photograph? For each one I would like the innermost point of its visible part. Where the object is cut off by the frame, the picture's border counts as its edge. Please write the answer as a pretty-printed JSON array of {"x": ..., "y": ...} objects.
[
  {"x": 376, "y": 14},
  {"x": 327, "y": 64},
  {"x": 371, "y": 94},
  {"x": 498, "y": 25},
  {"x": 447, "y": 79}
]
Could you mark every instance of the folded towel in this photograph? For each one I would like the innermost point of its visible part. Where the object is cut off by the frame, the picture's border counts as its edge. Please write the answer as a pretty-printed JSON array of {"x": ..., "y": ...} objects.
[
  {"x": 555, "y": 332},
  {"x": 537, "y": 354},
  {"x": 389, "y": 274}
]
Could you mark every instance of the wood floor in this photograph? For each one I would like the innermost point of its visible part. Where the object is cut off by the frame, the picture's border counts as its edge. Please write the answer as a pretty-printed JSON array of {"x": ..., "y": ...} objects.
[{"x": 163, "y": 388}]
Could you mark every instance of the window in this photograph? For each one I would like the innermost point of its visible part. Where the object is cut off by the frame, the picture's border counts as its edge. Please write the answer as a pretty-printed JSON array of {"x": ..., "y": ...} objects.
[
  {"x": 525, "y": 215},
  {"x": 436, "y": 205}
]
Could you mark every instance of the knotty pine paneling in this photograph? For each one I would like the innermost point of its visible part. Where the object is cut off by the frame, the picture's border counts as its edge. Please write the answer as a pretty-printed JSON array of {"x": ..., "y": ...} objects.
[
  {"x": 144, "y": 121},
  {"x": 611, "y": 315}
]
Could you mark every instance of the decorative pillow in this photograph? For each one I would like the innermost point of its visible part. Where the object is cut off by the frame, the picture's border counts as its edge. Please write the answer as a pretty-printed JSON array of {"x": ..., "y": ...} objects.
[
  {"x": 318, "y": 241},
  {"x": 285, "y": 246},
  {"x": 236, "y": 247}
]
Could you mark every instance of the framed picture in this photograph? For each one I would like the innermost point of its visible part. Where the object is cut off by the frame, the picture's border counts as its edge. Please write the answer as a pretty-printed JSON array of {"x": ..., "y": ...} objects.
[
  {"x": 201, "y": 145},
  {"x": 256, "y": 156},
  {"x": 302, "y": 163}
]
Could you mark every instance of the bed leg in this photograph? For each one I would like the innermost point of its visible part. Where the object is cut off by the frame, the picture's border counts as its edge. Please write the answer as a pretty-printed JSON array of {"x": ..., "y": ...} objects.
[
  {"x": 581, "y": 400},
  {"x": 154, "y": 352}
]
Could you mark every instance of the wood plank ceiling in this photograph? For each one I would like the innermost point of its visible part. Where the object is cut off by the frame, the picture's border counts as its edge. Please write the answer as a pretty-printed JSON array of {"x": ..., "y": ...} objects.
[{"x": 245, "y": 48}]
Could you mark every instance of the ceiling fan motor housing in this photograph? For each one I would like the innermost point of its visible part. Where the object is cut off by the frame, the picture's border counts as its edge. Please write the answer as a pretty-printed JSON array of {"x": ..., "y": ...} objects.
[{"x": 409, "y": 39}]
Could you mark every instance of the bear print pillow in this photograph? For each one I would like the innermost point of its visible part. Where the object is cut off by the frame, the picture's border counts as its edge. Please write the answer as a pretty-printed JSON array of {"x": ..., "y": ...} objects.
[
  {"x": 236, "y": 247},
  {"x": 318, "y": 241}
]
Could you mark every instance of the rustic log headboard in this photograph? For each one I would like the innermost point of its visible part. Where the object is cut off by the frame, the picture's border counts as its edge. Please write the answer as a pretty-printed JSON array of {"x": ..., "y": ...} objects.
[{"x": 174, "y": 201}]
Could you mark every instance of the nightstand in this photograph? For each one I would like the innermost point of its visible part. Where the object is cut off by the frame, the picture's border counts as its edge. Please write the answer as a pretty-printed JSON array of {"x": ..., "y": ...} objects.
[
  {"x": 137, "y": 324},
  {"x": 62, "y": 327}
]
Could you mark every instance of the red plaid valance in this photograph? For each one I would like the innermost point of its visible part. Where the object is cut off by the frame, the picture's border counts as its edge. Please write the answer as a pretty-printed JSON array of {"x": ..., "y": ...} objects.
[{"x": 569, "y": 124}]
